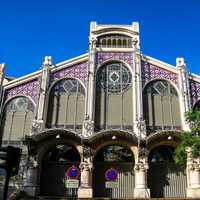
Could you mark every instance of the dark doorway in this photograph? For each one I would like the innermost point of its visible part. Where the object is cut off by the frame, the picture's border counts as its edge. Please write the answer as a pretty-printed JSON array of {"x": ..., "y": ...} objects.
[
  {"x": 165, "y": 177},
  {"x": 121, "y": 159},
  {"x": 54, "y": 166}
]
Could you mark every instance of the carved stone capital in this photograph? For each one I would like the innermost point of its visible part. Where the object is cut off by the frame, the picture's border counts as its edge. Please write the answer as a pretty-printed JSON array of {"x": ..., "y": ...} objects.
[
  {"x": 88, "y": 128},
  {"x": 86, "y": 166},
  {"x": 37, "y": 126},
  {"x": 193, "y": 164},
  {"x": 141, "y": 166},
  {"x": 32, "y": 162}
]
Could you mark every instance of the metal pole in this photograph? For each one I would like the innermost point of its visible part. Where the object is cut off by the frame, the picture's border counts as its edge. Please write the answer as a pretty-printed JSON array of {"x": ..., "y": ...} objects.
[{"x": 5, "y": 192}]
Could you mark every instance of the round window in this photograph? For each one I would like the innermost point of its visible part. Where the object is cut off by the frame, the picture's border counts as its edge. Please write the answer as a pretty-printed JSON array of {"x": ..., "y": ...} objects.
[{"x": 114, "y": 78}]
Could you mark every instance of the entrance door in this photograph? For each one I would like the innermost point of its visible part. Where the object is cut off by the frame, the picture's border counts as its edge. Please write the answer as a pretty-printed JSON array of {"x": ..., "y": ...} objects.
[
  {"x": 165, "y": 177},
  {"x": 54, "y": 167},
  {"x": 120, "y": 159}
]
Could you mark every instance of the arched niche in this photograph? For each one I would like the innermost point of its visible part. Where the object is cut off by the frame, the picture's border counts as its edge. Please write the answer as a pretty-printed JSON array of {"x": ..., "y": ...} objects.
[
  {"x": 17, "y": 119},
  {"x": 165, "y": 178},
  {"x": 55, "y": 163},
  {"x": 118, "y": 158},
  {"x": 66, "y": 105},
  {"x": 113, "y": 97},
  {"x": 161, "y": 106}
]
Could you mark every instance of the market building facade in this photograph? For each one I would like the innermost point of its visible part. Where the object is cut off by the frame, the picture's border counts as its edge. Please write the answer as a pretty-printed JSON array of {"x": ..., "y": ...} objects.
[{"x": 104, "y": 124}]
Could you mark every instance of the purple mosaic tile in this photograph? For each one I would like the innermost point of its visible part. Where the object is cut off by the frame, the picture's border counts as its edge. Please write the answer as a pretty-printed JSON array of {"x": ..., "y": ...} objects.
[
  {"x": 150, "y": 72},
  {"x": 123, "y": 56},
  {"x": 194, "y": 91},
  {"x": 75, "y": 71},
  {"x": 30, "y": 89}
]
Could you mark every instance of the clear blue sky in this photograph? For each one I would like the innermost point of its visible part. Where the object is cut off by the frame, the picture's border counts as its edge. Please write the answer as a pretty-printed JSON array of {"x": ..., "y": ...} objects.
[{"x": 30, "y": 30}]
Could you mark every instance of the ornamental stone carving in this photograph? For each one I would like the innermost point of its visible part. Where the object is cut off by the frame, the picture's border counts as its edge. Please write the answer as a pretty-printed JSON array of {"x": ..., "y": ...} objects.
[
  {"x": 37, "y": 126},
  {"x": 86, "y": 167},
  {"x": 193, "y": 164},
  {"x": 88, "y": 128},
  {"x": 141, "y": 166}
]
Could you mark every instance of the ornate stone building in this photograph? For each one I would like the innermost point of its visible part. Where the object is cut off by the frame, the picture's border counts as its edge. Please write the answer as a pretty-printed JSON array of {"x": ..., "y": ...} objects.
[{"x": 114, "y": 113}]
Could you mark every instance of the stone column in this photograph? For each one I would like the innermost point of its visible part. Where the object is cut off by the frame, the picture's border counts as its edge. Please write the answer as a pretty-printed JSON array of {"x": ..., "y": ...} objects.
[
  {"x": 88, "y": 124},
  {"x": 40, "y": 119},
  {"x": 193, "y": 175},
  {"x": 184, "y": 94},
  {"x": 30, "y": 185},
  {"x": 85, "y": 190},
  {"x": 139, "y": 123},
  {"x": 141, "y": 190}
]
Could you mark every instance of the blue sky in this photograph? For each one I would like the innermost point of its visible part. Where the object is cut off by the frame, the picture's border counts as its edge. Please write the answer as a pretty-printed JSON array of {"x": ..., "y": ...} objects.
[{"x": 31, "y": 30}]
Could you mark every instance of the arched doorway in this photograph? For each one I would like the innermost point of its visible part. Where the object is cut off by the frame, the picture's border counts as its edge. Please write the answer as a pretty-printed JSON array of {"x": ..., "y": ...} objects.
[
  {"x": 121, "y": 159},
  {"x": 55, "y": 164},
  {"x": 165, "y": 178}
]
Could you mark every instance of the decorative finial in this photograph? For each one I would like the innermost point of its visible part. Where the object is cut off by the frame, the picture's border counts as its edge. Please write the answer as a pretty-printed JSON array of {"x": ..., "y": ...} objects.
[
  {"x": 180, "y": 62},
  {"x": 2, "y": 67},
  {"x": 47, "y": 61}
]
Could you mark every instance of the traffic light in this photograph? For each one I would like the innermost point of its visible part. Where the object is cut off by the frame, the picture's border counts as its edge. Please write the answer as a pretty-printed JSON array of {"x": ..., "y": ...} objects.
[{"x": 9, "y": 159}]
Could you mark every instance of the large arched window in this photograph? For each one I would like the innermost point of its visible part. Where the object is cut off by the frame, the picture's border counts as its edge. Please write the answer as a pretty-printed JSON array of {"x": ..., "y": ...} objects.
[
  {"x": 161, "y": 106},
  {"x": 114, "y": 97},
  {"x": 17, "y": 119},
  {"x": 66, "y": 105}
]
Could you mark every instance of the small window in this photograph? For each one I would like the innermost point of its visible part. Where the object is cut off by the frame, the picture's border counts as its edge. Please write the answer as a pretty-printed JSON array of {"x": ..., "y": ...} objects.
[{"x": 113, "y": 41}]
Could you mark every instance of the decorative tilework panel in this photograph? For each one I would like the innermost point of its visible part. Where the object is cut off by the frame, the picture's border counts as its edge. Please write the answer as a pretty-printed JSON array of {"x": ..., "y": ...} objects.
[
  {"x": 123, "y": 56},
  {"x": 195, "y": 91},
  {"x": 75, "y": 71},
  {"x": 30, "y": 89},
  {"x": 150, "y": 72}
]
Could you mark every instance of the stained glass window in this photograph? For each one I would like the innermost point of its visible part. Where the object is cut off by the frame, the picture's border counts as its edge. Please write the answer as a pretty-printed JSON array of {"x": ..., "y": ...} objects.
[
  {"x": 20, "y": 104},
  {"x": 114, "y": 78},
  {"x": 162, "y": 88},
  {"x": 69, "y": 86}
]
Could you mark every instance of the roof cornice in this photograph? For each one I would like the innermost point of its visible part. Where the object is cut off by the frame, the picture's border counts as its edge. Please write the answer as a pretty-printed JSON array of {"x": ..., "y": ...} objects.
[
  {"x": 159, "y": 63},
  {"x": 55, "y": 67}
]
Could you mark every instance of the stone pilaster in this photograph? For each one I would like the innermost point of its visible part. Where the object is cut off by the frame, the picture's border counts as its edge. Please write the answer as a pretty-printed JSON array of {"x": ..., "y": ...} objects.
[
  {"x": 139, "y": 124},
  {"x": 30, "y": 185},
  {"x": 39, "y": 122},
  {"x": 193, "y": 175},
  {"x": 184, "y": 94},
  {"x": 141, "y": 190},
  {"x": 88, "y": 126},
  {"x": 85, "y": 190}
]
